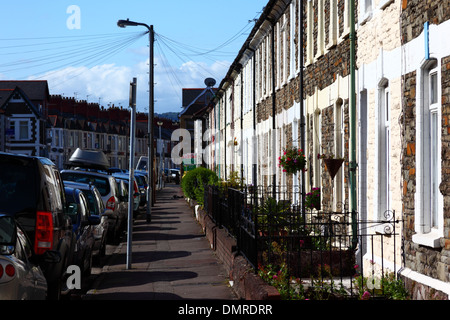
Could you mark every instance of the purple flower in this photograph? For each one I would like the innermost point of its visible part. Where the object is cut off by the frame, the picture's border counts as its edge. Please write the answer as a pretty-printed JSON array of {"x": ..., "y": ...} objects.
[{"x": 366, "y": 295}]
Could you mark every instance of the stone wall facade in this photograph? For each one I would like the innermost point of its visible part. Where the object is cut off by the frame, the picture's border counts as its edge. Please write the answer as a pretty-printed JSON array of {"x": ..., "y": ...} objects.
[
  {"x": 416, "y": 12},
  {"x": 428, "y": 266}
]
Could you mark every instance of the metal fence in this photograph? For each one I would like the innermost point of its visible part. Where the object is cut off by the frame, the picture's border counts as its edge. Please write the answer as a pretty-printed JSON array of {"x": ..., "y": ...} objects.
[{"x": 322, "y": 249}]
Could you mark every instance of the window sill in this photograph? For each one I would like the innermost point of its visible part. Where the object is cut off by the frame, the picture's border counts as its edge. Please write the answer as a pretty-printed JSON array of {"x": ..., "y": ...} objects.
[{"x": 432, "y": 239}]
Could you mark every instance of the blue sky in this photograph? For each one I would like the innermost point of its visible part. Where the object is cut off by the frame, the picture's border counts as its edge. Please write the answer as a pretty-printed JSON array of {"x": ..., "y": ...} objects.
[{"x": 78, "y": 48}]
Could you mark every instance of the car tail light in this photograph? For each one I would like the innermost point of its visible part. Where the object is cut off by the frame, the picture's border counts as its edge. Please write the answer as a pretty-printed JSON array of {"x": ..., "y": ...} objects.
[
  {"x": 111, "y": 203},
  {"x": 7, "y": 272},
  {"x": 10, "y": 271},
  {"x": 136, "y": 189},
  {"x": 44, "y": 232}
]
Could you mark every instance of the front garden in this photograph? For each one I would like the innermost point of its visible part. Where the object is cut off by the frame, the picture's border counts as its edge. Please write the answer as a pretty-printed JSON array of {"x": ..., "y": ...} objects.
[{"x": 307, "y": 254}]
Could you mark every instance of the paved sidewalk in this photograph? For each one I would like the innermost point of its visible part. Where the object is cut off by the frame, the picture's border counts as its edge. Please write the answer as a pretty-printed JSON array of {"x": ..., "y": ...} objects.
[{"x": 171, "y": 259}]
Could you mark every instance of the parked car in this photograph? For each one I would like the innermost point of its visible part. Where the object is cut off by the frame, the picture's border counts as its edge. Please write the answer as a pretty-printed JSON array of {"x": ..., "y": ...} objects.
[
  {"x": 141, "y": 178},
  {"x": 125, "y": 178},
  {"x": 142, "y": 163},
  {"x": 21, "y": 278},
  {"x": 83, "y": 227},
  {"x": 174, "y": 175},
  {"x": 32, "y": 191},
  {"x": 116, "y": 209},
  {"x": 97, "y": 208}
]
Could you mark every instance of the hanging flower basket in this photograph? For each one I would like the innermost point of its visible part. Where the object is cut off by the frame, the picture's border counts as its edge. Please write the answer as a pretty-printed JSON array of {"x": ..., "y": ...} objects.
[
  {"x": 333, "y": 166},
  {"x": 292, "y": 160}
]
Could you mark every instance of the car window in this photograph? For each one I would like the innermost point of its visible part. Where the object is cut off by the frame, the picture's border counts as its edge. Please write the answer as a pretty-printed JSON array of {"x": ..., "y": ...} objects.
[
  {"x": 72, "y": 212},
  {"x": 92, "y": 201},
  {"x": 115, "y": 187},
  {"x": 7, "y": 231},
  {"x": 140, "y": 180},
  {"x": 18, "y": 185},
  {"x": 84, "y": 207},
  {"x": 59, "y": 185},
  {"x": 23, "y": 247},
  {"x": 53, "y": 189},
  {"x": 101, "y": 183},
  {"x": 99, "y": 200}
]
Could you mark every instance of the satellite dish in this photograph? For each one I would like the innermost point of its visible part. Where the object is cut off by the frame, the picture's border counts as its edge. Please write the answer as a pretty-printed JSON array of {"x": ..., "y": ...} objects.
[{"x": 210, "y": 82}]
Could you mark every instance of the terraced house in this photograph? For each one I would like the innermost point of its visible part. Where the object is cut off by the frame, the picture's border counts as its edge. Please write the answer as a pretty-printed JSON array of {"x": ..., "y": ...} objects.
[
  {"x": 425, "y": 153},
  {"x": 383, "y": 110}
]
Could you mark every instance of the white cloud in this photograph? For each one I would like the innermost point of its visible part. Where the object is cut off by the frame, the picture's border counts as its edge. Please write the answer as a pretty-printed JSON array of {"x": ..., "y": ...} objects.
[{"x": 109, "y": 83}]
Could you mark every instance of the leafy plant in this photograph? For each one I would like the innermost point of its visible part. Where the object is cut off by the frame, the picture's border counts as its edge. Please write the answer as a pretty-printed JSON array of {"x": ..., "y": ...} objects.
[
  {"x": 288, "y": 287},
  {"x": 193, "y": 183},
  {"x": 387, "y": 287}
]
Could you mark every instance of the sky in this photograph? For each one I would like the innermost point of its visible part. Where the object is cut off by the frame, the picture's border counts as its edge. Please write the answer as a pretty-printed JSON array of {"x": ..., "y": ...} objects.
[{"x": 78, "y": 48}]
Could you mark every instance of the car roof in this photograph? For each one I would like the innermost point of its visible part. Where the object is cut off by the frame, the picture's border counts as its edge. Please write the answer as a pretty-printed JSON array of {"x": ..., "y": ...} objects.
[
  {"x": 78, "y": 185},
  {"x": 43, "y": 160},
  {"x": 121, "y": 176},
  {"x": 96, "y": 173}
]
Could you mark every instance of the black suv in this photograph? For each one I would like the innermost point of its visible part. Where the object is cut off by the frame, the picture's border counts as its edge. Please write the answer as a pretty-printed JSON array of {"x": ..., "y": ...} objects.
[{"x": 31, "y": 190}]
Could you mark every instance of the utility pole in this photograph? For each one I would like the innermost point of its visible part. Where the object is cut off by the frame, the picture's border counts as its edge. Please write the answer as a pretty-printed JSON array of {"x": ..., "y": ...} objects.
[{"x": 131, "y": 170}]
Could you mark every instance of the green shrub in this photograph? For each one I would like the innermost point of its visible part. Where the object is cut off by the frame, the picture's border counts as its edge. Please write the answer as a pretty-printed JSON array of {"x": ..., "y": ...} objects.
[{"x": 193, "y": 183}]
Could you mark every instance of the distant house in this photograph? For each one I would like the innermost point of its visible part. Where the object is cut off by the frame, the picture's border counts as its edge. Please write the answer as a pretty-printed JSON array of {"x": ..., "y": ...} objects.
[
  {"x": 195, "y": 102},
  {"x": 23, "y": 120}
]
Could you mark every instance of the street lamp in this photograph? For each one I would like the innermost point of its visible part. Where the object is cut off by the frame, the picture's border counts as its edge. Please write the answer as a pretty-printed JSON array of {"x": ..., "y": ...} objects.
[{"x": 123, "y": 24}]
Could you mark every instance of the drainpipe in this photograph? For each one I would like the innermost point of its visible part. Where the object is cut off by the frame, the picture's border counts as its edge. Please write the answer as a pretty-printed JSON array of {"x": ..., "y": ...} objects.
[
  {"x": 225, "y": 134},
  {"x": 274, "y": 177},
  {"x": 242, "y": 127},
  {"x": 219, "y": 162},
  {"x": 302, "y": 116},
  {"x": 353, "y": 164}
]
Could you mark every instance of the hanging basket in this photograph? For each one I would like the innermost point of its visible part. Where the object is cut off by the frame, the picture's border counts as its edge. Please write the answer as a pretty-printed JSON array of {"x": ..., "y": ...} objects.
[{"x": 333, "y": 166}]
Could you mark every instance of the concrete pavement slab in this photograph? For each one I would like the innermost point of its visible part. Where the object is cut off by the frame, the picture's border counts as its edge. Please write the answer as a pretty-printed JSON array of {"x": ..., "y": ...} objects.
[{"x": 171, "y": 259}]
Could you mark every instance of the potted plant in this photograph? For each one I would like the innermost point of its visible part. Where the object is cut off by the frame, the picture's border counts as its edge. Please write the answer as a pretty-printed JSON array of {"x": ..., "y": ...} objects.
[
  {"x": 292, "y": 160},
  {"x": 312, "y": 199}
]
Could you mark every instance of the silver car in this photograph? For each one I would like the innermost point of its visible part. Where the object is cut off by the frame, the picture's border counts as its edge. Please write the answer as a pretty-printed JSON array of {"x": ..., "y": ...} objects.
[
  {"x": 116, "y": 210},
  {"x": 21, "y": 278}
]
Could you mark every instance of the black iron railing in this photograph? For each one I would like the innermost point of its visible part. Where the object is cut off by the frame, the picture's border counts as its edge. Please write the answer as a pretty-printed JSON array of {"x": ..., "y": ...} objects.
[{"x": 271, "y": 230}]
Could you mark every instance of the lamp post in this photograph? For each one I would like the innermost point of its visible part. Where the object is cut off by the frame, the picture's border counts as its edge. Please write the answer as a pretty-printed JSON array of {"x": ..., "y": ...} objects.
[{"x": 123, "y": 24}]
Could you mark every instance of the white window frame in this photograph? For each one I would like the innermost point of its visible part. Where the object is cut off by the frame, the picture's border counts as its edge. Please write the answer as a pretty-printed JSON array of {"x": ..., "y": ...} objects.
[
  {"x": 333, "y": 27},
  {"x": 320, "y": 29},
  {"x": 292, "y": 42},
  {"x": 309, "y": 33},
  {"x": 384, "y": 196},
  {"x": 365, "y": 12},
  {"x": 429, "y": 225},
  {"x": 284, "y": 30},
  {"x": 278, "y": 62},
  {"x": 15, "y": 122}
]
